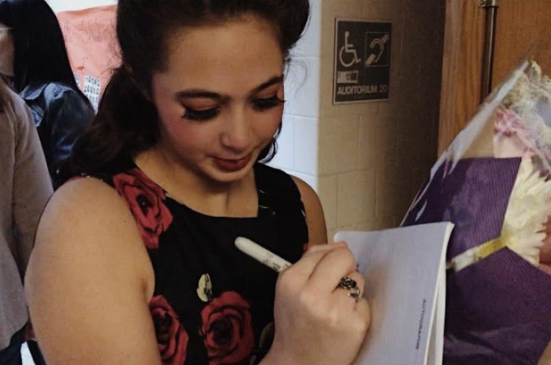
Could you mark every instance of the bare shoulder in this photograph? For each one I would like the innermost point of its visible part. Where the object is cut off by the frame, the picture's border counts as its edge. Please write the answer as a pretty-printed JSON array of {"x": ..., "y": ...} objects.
[
  {"x": 87, "y": 216},
  {"x": 89, "y": 258},
  {"x": 307, "y": 193},
  {"x": 83, "y": 206},
  {"x": 86, "y": 220},
  {"x": 315, "y": 218},
  {"x": 79, "y": 196}
]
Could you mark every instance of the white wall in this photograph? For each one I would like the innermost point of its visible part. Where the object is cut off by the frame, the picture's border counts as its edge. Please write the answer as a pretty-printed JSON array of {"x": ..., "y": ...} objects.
[
  {"x": 366, "y": 161},
  {"x": 298, "y": 143},
  {"x": 66, "y": 5}
]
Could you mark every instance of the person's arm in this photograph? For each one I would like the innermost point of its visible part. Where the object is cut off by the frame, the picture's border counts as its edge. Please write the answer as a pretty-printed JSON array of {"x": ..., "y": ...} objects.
[
  {"x": 90, "y": 280},
  {"x": 317, "y": 230},
  {"x": 31, "y": 186},
  {"x": 68, "y": 114}
]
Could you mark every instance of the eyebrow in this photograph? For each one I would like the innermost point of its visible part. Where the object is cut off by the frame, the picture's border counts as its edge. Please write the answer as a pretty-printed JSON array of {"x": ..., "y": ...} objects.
[{"x": 199, "y": 93}]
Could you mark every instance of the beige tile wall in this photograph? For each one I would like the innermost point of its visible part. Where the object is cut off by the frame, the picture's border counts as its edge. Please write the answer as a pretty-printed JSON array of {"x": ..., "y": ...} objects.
[{"x": 366, "y": 161}]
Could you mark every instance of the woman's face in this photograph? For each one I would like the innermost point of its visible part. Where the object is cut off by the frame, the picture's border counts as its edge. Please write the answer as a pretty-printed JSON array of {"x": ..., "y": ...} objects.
[
  {"x": 6, "y": 51},
  {"x": 220, "y": 99}
]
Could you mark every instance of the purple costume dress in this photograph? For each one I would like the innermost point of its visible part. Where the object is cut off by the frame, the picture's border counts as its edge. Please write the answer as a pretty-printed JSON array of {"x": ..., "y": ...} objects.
[{"x": 498, "y": 310}]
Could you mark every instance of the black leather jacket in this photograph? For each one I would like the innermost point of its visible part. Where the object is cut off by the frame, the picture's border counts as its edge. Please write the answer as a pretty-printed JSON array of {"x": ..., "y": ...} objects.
[{"x": 60, "y": 114}]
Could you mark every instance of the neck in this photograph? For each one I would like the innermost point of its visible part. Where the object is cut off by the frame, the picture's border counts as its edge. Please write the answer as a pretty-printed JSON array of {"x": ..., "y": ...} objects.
[{"x": 197, "y": 191}]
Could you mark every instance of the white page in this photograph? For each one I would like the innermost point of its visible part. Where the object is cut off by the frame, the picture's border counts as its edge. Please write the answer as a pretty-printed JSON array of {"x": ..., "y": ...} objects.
[
  {"x": 436, "y": 345},
  {"x": 402, "y": 267}
]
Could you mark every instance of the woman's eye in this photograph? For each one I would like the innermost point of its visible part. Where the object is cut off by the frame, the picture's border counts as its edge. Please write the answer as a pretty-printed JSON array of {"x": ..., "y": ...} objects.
[
  {"x": 201, "y": 115},
  {"x": 267, "y": 103}
]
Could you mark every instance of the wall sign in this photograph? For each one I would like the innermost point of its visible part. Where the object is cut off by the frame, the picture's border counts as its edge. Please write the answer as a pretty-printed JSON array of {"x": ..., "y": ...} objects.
[{"x": 362, "y": 61}]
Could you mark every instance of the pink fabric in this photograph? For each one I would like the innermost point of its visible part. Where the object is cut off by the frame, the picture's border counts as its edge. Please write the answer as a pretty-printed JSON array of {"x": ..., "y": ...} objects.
[{"x": 511, "y": 138}]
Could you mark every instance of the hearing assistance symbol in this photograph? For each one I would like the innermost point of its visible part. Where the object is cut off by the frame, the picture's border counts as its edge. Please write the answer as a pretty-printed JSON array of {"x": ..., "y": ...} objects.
[
  {"x": 376, "y": 49},
  {"x": 362, "y": 61}
]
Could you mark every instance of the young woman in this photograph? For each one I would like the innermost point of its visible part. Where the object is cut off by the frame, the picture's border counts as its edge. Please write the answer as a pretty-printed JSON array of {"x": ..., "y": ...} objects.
[
  {"x": 34, "y": 58},
  {"x": 26, "y": 188},
  {"x": 135, "y": 260}
]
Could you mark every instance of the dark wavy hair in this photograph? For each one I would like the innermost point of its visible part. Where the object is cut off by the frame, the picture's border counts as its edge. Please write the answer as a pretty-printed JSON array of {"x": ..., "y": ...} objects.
[
  {"x": 40, "y": 55},
  {"x": 127, "y": 121}
]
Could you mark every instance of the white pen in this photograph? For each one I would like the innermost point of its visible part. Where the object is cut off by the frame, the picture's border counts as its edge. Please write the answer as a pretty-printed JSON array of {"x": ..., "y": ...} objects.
[{"x": 260, "y": 254}]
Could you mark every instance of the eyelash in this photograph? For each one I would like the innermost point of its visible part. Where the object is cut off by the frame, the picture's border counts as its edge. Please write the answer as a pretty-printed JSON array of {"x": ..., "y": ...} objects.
[
  {"x": 201, "y": 115},
  {"x": 258, "y": 104},
  {"x": 267, "y": 103}
]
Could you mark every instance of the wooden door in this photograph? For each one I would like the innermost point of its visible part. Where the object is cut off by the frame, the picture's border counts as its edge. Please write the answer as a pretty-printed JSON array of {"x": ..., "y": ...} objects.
[
  {"x": 462, "y": 67},
  {"x": 523, "y": 29}
]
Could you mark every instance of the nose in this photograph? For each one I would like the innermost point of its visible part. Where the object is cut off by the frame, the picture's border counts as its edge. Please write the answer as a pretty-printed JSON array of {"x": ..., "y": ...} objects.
[{"x": 237, "y": 134}]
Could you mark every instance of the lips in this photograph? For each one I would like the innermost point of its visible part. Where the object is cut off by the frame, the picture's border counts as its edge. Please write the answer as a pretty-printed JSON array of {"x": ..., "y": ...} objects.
[{"x": 232, "y": 165}]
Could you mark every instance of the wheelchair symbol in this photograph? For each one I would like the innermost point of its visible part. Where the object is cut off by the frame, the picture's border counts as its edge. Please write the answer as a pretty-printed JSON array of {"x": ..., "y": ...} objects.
[{"x": 349, "y": 52}]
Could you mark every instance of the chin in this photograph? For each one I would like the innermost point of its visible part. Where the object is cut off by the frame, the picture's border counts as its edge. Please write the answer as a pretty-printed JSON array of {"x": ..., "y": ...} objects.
[{"x": 220, "y": 176}]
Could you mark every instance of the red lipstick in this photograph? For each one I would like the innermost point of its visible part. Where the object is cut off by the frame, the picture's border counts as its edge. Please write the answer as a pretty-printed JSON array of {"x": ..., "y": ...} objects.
[{"x": 232, "y": 165}]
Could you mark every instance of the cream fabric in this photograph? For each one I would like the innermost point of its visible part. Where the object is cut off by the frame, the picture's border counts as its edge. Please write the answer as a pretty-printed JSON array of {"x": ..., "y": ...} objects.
[{"x": 25, "y": 187}]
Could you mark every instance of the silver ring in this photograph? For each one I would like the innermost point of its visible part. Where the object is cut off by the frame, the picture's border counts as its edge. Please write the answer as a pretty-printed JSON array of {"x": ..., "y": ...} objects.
[
  {"x": 355, "y": 293},
  {"x": 348, "y": 283},
  {"x": 352, "y": 287}
]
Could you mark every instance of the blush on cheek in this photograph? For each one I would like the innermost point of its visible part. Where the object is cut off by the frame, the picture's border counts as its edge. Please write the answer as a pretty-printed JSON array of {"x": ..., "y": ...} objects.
[{"x": 175, "y": 127}]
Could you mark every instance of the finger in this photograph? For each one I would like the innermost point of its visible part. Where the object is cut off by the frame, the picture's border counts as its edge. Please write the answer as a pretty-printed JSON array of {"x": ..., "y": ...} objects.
[
  {"x": 343, "y": 296},
  {"x": 323, "y": 248},
  {"x": 357, "y": 277},
  {"x": 300, "y": 272},
  {"x": 331, "y": 268},
  {"x": 314, "y": 254},
  {"x": 360, "y": 321},
  {"x": 364, "y": 311}
]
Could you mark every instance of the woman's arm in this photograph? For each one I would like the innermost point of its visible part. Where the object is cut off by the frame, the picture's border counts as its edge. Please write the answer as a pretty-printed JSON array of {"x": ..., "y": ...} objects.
[
  {"x": 317, "y": 231},
  {"x": 90, "y": 280}
]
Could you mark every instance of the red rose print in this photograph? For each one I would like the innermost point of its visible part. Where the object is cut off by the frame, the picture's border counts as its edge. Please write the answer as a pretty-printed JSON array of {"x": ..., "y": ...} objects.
[
  {"x": 171, "y": 336},
  {"x": 145, "y": 200},
  {"x": 227, "y": 329}
]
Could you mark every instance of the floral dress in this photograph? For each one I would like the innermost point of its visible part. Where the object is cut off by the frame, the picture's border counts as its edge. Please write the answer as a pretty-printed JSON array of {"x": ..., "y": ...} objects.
[{"x": 213, "y": 304}]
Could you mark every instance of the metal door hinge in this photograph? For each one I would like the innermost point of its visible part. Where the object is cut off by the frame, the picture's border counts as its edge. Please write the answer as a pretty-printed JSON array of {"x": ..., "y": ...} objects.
[{"x": 488, "y": 3}]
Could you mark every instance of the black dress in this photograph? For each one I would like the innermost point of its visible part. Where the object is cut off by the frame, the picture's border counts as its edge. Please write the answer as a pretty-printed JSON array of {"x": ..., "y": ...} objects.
[{"x": 213, "y": 304}]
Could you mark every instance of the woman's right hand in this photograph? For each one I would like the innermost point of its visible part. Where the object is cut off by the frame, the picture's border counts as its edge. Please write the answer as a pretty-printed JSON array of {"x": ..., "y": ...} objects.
[{"x": 316, "y": 321}]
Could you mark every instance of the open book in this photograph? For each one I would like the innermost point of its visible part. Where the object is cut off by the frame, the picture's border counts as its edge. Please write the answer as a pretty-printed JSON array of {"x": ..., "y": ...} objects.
[{"x": 405, "y": 273}]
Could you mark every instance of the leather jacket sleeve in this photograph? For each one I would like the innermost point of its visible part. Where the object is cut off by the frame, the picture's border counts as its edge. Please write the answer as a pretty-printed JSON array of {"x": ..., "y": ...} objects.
[{"x": 66, "y": 115}]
